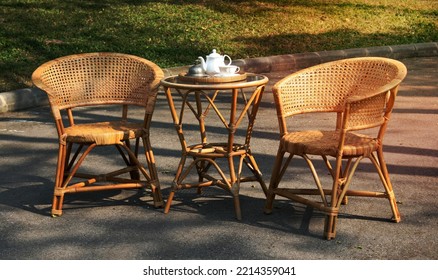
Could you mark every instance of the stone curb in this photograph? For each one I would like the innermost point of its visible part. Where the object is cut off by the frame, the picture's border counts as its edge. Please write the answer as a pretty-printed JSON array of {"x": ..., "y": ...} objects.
[{"x": 32, "y": 97}]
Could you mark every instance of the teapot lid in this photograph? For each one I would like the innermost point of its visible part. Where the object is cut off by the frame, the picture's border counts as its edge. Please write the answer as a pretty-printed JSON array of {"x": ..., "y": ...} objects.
[{"x": 214, "y": 54}]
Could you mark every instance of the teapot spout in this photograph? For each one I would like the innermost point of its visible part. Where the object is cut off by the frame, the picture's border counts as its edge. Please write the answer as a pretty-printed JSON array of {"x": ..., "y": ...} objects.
[{"x": 203, "y": 64}]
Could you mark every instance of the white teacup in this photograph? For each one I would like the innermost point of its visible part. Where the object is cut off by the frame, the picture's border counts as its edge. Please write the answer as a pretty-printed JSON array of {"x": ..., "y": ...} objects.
[{"x": 229, "y": 69}]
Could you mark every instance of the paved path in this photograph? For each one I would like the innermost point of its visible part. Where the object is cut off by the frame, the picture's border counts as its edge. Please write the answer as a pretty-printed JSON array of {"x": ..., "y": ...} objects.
[{"x": 123, "y": 225}]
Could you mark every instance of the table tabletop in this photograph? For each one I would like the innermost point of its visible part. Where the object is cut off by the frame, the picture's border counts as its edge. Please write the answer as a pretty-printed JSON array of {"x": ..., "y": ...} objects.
[{"x": 251, "y": 80}]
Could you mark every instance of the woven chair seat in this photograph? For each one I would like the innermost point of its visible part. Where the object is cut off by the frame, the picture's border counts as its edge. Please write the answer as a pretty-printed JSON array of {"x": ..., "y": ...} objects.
[
  {"x": 104, "y": 133},
  {"x": 318, "y": 142}
]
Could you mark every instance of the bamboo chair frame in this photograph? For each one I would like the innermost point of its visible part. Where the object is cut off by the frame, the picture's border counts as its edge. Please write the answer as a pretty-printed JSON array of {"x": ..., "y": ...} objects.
[
  {"x": 98, "y": 79},
  {"x": 361, "y": 92}
]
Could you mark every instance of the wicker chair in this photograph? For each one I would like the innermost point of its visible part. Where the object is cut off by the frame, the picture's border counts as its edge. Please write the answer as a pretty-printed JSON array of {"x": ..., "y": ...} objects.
[
  {"x": 96, "y": 79},
  {"x": 361, "y": 92}
]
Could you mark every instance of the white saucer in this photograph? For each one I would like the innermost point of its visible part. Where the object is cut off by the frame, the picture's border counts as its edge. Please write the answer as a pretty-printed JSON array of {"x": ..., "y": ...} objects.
[{"x": 227, "y": 75}]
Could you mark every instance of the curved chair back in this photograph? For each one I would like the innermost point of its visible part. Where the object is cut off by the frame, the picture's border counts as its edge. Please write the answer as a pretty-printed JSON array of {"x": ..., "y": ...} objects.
[
  {"x": 99, "y": 78},
  {"x": 325, "y": 87}
]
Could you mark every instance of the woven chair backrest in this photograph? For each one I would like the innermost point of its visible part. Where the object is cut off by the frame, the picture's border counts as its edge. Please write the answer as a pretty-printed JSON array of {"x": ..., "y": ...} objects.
[
  {"x": 369, "y": 112},
  {"x": 325, "y": 87},
  {"x": 99, "y": 78}
]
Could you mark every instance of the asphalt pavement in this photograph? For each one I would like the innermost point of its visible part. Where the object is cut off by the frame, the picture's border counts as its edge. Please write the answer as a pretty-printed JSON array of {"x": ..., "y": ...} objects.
[{"x": 124, "y": 225}]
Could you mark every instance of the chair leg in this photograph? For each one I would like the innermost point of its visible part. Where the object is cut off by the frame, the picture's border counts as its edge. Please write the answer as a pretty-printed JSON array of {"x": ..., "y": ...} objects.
[
  {"x": 384, "y": 177},
  {"x": 129, "y": 161},
  {"x": 152, "y": 177},
  {"x": 155, "y": 184},
  {"x": 332, "y": 214},
  {"x": 135, "y": 174},
  {"x": 157, "y": 196},
  {"x": 344, "y": 174},
  {"x": 58, "y": 194},
  {"x": 275, "y": 180}
]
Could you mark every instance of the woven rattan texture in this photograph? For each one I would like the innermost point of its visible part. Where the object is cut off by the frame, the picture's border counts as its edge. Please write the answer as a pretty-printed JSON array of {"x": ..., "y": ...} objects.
[
  {"x": 98, "y": 79},
  {"x": 367, "y": 112},
  {"x": 326, "y": 88},
  {"x": 317, "y": 142},
  {"x": 103, "y": 133}
]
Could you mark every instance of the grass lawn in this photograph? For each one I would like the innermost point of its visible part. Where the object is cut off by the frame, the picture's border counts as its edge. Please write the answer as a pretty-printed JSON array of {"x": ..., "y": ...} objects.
[{"x": 173, "y": 33}]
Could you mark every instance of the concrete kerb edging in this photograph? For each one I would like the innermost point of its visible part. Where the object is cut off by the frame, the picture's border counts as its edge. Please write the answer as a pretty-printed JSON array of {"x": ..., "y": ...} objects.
[{"x": 32, "y": 97}]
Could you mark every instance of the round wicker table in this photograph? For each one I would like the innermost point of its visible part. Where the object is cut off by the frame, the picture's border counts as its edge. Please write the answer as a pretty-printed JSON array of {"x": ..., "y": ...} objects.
[{"x": 217, "y": 108}]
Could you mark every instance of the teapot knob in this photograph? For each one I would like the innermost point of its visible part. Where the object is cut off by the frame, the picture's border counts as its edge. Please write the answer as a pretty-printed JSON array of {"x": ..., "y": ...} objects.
[{"x": 214, "y": 54}]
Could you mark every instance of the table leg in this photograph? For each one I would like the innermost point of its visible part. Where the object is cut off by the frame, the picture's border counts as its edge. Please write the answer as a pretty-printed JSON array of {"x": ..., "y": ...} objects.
[{"x": 204, "y": 159}]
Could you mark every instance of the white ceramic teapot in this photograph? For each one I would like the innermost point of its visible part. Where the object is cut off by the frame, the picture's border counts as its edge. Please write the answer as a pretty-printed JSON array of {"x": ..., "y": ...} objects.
[{"x": 214, "y": 60}]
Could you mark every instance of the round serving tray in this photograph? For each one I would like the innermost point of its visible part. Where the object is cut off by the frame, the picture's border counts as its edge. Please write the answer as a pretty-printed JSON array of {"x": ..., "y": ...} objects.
[{"x": 212, "y": 79}]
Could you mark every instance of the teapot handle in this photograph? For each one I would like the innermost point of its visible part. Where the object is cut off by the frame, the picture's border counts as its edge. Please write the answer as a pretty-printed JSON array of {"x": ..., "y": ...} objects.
[{"x": 229, "y": 58}]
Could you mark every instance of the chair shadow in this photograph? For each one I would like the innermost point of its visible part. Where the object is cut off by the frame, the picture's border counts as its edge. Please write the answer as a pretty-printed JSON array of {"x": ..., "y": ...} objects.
[
  {"x": 37, "y": 198},
  {"x": 287, "y": 216}
]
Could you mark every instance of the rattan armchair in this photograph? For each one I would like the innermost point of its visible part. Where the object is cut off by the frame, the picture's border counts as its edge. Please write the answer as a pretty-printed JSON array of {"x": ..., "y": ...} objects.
[
  {"x": 361, "y": 92},
  {"x": 98, "y": 79}
]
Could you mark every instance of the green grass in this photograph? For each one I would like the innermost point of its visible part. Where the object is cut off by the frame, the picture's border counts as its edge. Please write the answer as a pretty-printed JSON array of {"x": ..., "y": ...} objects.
[{"x": 173, "y": 33}]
